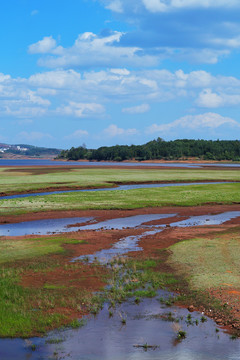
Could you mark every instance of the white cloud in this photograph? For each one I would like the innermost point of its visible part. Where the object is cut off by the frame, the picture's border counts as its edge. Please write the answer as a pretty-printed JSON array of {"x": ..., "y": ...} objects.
[
  {"x": 155, "y": 5},
  {"x": 120, "y": 71},
  {"x": 90, "y": 50},
  {"x": 168, "y": 5},
  {"x": 4, "y": 77},
  {"x": 194, "y": 122},
  {"x": 56, "y": 79},
  {"x": 199, "y": 31},
  {"x": 81, "y": 110},
  {"x": 116, "y": 6},
  {"x": 87, "y": 94},
  {"x": 209, "y": 99},
  {"x": 14, "y": 110},
  {"x": 140, "y": 109},
  {"x": 46, "y": 45},
  {"x": 113, "y": 130},
  {"x": 78, "y": 134}
]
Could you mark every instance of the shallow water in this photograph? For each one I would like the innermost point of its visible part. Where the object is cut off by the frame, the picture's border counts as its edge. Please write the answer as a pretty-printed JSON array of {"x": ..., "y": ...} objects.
[
  {"x": 42, "y": 162},
  {"x": 130, "y": 243},
  {"x": 36, "y": 162},
  {"x": 121, "y": 187},
  {"x": 207, "y": 219},
  {"x": 124, "y": 245},
  {"x": 104, "y": 338},
  {"x": 42, "y": 227}
]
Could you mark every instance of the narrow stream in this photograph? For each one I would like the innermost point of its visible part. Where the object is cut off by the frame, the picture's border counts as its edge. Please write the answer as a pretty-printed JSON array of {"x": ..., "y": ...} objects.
[{"x": 121, "y": 187}]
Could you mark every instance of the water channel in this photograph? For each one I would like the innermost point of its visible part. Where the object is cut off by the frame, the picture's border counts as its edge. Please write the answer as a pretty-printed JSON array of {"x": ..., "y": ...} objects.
[{"x": 121, "y": 187}]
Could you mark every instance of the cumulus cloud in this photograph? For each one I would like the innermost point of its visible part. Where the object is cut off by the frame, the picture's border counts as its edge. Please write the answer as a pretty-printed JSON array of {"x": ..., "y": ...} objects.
[
  {"x": 87, "y": 94},
  {"x": 209, "y": 99},
  {"x": 201, "y": 31},
  {"x": 46, "y": 45},
  {"x": 113, "y": 131},
  {"x": 207, "y": 121},
  {"x": 81, "y": 110},
  {"x": 140, "y": 109},
  {"x": 91, "y": 50}
]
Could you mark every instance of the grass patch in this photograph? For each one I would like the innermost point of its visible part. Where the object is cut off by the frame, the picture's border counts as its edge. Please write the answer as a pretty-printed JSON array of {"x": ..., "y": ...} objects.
[
  {"x": 193, "y": 195},
  {"x": 209, "y": 263},
  {"x": 12, "y": 250}
]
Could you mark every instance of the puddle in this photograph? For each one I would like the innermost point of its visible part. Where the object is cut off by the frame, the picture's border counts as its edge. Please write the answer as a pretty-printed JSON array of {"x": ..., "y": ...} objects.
[
  {"x": 121, "y": 187},
  {"x": 130, "y": 243},
  {"x": 126, "y": 222},
  {"x": 207, "y": 219},
  {"x": 104, "y": 338},
  {"x": 42, "y": 227}
]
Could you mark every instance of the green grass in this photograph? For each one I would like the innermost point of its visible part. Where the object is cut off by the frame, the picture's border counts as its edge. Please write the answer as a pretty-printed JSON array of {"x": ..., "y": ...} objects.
[
  {"x": 209, "y": 263},
  {"x": 16, "y": 318},
  {"x": 193, "y": 195},
  {"x": 12, "y": 250},
  {"x": 22, "y": 181}
]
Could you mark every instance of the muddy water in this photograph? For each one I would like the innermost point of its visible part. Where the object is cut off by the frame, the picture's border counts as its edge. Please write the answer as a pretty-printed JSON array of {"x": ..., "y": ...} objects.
[
  {"x": 121, "y": 187},
  {"x": 104, "y": 338}
]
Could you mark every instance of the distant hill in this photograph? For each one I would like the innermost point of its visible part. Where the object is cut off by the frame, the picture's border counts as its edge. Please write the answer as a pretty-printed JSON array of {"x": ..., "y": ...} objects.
[{"x": 24, "y": 150}]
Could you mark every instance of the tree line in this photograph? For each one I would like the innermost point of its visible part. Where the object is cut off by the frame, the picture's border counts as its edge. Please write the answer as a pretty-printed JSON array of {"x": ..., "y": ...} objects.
[{"x": 159, "y": 150}]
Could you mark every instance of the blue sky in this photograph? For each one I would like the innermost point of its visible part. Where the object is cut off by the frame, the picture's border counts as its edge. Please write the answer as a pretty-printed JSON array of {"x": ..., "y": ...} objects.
[{"x": 105, "y": 72}]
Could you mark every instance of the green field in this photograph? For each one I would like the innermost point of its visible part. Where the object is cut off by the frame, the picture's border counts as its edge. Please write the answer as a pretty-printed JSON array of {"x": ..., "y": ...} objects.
[
  {"x": 23, "y": 180},
  {"x": 192, "y": 195}
]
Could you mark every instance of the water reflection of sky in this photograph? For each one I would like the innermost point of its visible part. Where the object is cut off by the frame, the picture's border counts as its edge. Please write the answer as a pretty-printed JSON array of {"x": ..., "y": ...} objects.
[{"x": 104, "y": 338}]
